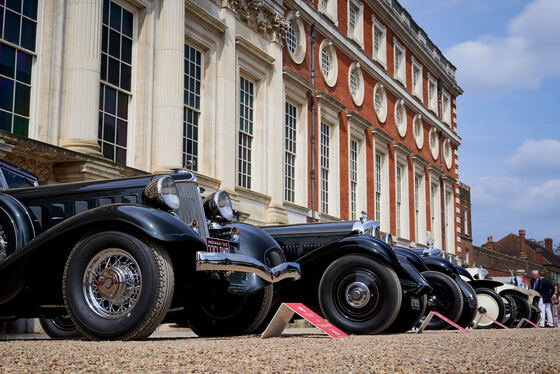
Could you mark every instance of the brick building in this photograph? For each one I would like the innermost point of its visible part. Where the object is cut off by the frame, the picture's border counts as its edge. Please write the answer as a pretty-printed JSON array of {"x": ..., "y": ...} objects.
[
  {"x": 516, "y": 253},
  {"x": 380, "y": 112}
]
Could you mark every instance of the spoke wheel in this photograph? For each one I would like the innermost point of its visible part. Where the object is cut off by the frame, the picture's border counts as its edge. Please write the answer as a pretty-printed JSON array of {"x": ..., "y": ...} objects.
[{"x": 117, "y": 286}]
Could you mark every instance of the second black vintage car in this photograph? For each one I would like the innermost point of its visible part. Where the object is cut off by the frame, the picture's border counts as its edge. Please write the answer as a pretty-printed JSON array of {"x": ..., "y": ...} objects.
[
  {"x": 352, "y": 276},
  {"x": 112, "y": 258}
]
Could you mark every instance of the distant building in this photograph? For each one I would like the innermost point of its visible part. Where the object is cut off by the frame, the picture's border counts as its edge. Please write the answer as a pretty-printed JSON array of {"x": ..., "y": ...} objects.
[{"x": 517, "y": 254}]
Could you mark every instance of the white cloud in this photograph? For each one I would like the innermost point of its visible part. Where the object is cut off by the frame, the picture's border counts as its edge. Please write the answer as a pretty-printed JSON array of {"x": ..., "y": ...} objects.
[
  {"x": 528, "y": 53},
  {"x": 537, "y": 158},
  {"x": 527, "y": 196}
]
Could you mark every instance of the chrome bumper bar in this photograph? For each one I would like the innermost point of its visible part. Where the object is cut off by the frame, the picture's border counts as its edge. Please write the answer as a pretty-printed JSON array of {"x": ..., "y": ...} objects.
[{"x": 206, "y": 261}]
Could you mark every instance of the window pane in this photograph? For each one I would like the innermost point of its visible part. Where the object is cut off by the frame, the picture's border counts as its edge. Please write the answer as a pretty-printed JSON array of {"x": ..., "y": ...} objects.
[
  {"x": 104, "y": 38},
  {"x": 127, "y": 23},
  {"x": 114, "y": 44},
  {"x": 126, "y": 52},
  {"x": 121, "y": 156},
  {"x": 105, "y": 12},
  {"x": 28, "y": 34},
  {"x": 122, "y": 105},
  {"x": 109, "y": 151},
  {"x": 122, "y": 129},
  {"x": 115, "y": 16},
  {"x": 109, "y": 128},
  {"x": 14, "y": 5},
  {"x": 21, "y": 125},
  {"x": 24, "y": 63},
  {"x": 7, "y": 60},
  {"x": 11, "y": 27},
  {"x": 103, "y": 67},
  {"x": 23, "y": 96},
  {"x": 6, "y": 94},
  {"x": 125, "y": 77},
  {"x": 5, "y": 121},
  {"x": 113, "y": 76},
  {"x": 30, "y": 8}
]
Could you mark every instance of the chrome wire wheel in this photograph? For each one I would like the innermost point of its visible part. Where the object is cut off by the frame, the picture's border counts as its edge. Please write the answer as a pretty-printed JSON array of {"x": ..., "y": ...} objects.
[{"x": 112, "y": 283}]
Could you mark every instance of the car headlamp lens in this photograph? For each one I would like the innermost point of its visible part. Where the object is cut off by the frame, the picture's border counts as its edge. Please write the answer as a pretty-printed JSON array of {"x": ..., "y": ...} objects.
[
  {"x": 218, "y": 207},
  {"x": 163, "y": 192},
  {"x": 223, "y": 203},
  {"x": 169, "y": 194}
]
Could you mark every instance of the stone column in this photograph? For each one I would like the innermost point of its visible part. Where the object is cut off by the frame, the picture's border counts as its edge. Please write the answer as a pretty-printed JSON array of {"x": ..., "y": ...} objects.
[
  {"x": 168, "y": 95},
  {"x": 82, "y": 73}
]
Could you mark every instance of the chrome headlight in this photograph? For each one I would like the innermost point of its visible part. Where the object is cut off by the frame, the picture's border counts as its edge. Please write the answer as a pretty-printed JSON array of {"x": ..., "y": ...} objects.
[
  {"x": 367, "y": 227},
  {"x": 218, "y": 207},
  {"x": 162, "y": 192},
  {"x": 389, "y": 239}
]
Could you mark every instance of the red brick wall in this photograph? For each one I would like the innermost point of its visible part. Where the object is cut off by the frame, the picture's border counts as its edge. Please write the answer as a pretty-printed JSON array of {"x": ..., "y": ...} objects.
[{"x": 341, "y": 93}]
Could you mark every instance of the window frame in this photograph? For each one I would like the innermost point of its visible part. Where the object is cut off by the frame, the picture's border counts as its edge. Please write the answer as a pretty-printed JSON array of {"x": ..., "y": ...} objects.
[
  {"x": 294, "y": 118},
  {"x": 358, "y": 97},
  {"x": 199, "y": 110},
  {"x": 293, "y": 19},
  {"x": 446, "y": 109},
  {"x": 330, "y": 11},
  {"x": 435, "y": 210},
  {"x": 381, "y": 55},
  {"x": 418, "y": 138},
  {"x": 325, "y": 162},
  {"x": 433, "y": 144},
  {"x": 133, "y": 71},
  {"x": 402, "y": 127},
  {"x": 249, "y": 135},
  {"x": 402, "y": 214},
  {"x": 432, "y": 101},
  {"x": 358, "y": 33},
  {"x": 381, "y": 114},
  {"x": 400, "y": 73},
  {"x": 332, "y": 76},
  {"x": 420, "y": 205},
  {"x": 417, "y": 89},
  {"x": 34, "y": 90},
  {"x": 381, "y": 179}
]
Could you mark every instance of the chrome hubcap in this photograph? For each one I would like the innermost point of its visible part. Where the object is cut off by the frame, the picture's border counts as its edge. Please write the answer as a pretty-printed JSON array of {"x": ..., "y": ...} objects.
[
  {"x": 357, "y": 294},
  {"x": 112, "y": 283}
]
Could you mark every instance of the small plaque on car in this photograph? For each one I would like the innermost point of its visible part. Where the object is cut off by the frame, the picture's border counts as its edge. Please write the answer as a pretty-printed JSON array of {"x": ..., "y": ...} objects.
[
  {"x": 217, "y": 245},
  {"x": 415, "y": 303}
]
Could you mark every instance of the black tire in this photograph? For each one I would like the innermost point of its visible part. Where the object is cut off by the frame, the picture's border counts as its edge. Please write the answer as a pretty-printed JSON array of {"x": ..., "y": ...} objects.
[
  {"x": 408, "y": 317},
  {"x": 469, "y": 313},
  {"x": 106, "y": 307},
  {"x": 60, "y": 327},
  {"x": 523, "y": 310},
  {"x": 445, "y": 298},
  {"x": 376, "y": 295},
  {"x": 216, "y": 312},
  {"x": 511, "y": 309},
  {"x": 535, "y": 316},
  {"x": 494, "y": 305},
  {"x": 213, "y": 311}
]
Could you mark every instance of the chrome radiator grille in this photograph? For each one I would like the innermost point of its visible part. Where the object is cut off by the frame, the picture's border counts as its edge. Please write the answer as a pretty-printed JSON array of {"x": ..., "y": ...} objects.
[{"x": 191, "y": 206}]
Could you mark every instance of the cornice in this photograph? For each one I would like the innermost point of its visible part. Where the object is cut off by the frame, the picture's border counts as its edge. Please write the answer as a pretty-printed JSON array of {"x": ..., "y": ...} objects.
[
  {"x": 359, "y": 120},
  {"x": 297, "y": 79},
  {"x": 399, "y": 147},
  {"x": 329, "y": 100},
  {"x": 420, "y": 161},
  {"x": 381, "y": 135}
]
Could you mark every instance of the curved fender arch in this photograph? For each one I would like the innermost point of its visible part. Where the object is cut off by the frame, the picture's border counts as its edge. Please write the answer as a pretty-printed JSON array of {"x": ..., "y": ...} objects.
[
  {"x": 486, "y": 283},
  {"x": 153, "y": 223},
  {"x": 440, "y": 264},
  {"x": 21, "y": 222}
]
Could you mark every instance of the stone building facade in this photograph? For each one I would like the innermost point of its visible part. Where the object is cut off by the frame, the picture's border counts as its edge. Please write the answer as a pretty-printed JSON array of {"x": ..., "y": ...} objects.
[{"x": 301, "y": 110}]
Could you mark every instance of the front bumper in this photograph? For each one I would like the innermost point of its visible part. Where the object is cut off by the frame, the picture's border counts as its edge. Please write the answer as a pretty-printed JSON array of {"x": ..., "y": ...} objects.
[{"x": 208, "y": 261}]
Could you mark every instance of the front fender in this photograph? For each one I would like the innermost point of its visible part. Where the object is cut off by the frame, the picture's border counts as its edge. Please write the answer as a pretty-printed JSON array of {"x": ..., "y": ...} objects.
[
  {"x": 466, "y": 291},
  {"x": 486, "y": 283},
  {"x": 50, "y": 249},
  {"x": 440, "y": 264}
]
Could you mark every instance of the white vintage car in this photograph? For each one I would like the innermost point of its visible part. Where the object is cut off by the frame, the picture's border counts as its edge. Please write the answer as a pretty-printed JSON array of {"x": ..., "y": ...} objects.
[{"x": 502, "y": 302}]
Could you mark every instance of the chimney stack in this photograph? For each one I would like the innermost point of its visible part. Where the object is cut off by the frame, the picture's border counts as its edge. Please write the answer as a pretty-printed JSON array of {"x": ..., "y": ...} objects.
[
  {"x": 548, "y": 244},
  {"x": 490, "y": 244},
  {"x": 522, "y": 251}
]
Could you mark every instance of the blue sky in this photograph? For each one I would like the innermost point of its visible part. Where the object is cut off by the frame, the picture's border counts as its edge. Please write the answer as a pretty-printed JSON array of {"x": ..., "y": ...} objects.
[{"x": 507, "y": 54}]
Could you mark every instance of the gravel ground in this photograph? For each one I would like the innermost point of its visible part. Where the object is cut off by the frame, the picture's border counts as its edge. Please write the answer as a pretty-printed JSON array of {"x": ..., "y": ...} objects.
[{"x": 497, "y": 351}]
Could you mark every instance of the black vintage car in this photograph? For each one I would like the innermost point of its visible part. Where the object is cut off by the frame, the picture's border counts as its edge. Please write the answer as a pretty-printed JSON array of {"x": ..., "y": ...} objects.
[
  {"x": 113, "y": 258},
  {"x": 451, "y": 295},
  {"x": 352, "y": 276}
]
